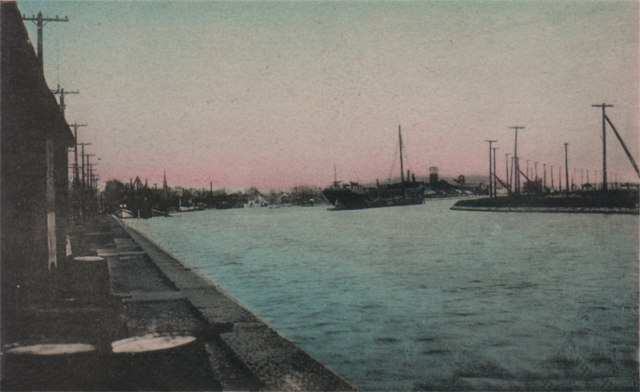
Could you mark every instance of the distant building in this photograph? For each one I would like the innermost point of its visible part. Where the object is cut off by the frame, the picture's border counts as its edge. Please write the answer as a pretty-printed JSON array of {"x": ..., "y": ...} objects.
[
  {"x": 433, "y": 176},
  {"x": 180, "y": 191},
  {"x": 34, "y": 196}
]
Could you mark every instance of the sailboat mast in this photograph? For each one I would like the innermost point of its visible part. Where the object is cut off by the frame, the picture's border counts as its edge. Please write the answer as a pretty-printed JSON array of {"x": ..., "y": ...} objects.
[{"x": 401, "y": 162}]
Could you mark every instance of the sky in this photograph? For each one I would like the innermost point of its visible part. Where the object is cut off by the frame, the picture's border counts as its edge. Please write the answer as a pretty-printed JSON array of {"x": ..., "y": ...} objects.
[{"x": 273, "y": 94}]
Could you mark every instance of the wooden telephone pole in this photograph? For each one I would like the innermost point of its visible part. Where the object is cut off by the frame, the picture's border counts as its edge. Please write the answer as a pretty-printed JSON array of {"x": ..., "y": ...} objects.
[
  {"x": 82, "y": 155},
  {"x": 604, "y": 144},
  {"x": 60, "y": 91},
  {"x": 495, "y": 175},
  {"x": 515, "y": 160},
  {"x": 566, "y": 168},
  {"x": 506, "y": 161},
  {"x": 491, "y": 168},
  {"x": 76, "y": 172},
  {"x": 40, "y": 21}
]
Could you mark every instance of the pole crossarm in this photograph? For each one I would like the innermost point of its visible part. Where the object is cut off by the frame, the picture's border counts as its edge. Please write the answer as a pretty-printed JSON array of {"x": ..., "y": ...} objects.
[
  {"x": 62, "y": 91},
  {"x": 40, "y": 20},
  {"x": 624, "y": 146},
  {"x": 75, "y": 125},
  {"x": 39, "y": 17}
]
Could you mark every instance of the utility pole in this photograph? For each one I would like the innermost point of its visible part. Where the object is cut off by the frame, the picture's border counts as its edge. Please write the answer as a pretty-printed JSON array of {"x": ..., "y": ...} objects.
[
  {"x": 88, "y": 170},
  {"x": 560, "y": 179},
  {"x": 82, "y": 155},
  {"x": 490, "y": 166},
  {"x": 495, "y": 181},
  {"x": 604, "y": 144},
  {"x": 506, "y": 161},
  {"x": 511, "y": 174},
  {"x": 551, "y": 175},
  {"x": 544, "y": 183},
  {"x": 401, "y": 163},
  {"x": 39, "y": 20},
  {"x": 566, "y": 167},
  {"x": 89, "y": 174},
  {"x": 516, "y": 162},
  {"x": 76, "y": 174},
  {"x": 60, "y": 91}
]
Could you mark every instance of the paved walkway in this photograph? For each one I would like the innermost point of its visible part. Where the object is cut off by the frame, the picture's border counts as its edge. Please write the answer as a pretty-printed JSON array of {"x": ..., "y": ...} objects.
[{"x": 131, "y": 290}]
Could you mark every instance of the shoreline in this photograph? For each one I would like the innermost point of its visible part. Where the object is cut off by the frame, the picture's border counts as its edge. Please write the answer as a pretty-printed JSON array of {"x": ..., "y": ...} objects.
[
  {"x": 274, "y": 361},
  {"x": 565, "y": 210},
  {"x": 619, "y": 201}
]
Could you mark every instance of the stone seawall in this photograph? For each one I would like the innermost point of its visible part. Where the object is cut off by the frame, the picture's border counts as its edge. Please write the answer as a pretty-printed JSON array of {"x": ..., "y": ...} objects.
[
  {"x": 244, "y": 352},
  {"x": 565, "y": 210}
]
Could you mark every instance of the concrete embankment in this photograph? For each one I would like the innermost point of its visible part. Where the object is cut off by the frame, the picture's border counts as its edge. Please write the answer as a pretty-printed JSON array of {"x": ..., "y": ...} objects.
[
  {"x": 259, "y": 352},
  {"x": 125, "y": 315},
  {"x": 593, "y": 202},
  {"x": 566, "y": 210}
]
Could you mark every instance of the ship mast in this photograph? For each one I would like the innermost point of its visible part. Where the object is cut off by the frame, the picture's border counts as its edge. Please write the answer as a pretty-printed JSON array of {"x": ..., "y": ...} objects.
[{"x": 401, "y": 163}]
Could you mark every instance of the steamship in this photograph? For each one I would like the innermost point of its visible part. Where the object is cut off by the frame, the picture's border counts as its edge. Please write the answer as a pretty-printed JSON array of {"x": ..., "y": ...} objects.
[{"x": 352, "y": 196}]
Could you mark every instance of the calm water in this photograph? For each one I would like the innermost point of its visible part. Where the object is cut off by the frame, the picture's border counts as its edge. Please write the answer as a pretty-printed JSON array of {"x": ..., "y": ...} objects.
[{"x": 421, "y": 297}]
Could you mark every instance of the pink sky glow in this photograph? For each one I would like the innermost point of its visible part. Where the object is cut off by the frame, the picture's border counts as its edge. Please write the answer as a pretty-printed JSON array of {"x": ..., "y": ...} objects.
[{"x": 274, "y": 94}]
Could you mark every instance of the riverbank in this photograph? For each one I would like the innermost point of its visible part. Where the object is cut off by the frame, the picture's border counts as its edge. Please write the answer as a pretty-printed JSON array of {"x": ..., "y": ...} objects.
[
  {"x": 609, "y": 202},
  {"x": 124, "y": 286}
]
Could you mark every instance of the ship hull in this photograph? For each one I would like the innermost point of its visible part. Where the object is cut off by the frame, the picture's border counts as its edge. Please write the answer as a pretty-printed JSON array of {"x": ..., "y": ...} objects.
[{"x": 388, "y": 196}]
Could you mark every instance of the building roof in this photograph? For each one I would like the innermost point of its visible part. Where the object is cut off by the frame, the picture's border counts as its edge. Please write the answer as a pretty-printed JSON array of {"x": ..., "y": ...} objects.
[{"x": 27, "y": 100}]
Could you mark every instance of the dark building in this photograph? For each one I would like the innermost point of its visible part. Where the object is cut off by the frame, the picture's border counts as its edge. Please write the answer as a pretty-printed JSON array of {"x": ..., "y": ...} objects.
[{"x": 34, "y": 196}]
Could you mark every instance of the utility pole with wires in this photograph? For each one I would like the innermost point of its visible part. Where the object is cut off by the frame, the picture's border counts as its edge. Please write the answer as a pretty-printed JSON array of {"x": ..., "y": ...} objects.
[
  {"x": 40, "y": 22},
  {"x": 87, "y": 188},
  {"x": 566, "y": 168},
  {"x": 495, "y": 175},
  {"x": 60, "y": 91},
  {"x": 506, "y": 161},
  {"x": 604, "y": 144},
  {"x": 76, "y": 173},
  {"x": 87, "y": 171},
  {"x": 516, "y": 168},
  {"x": 560, "y": 179},
  {"x": 491, "y": 168},
  {"x": 82, "y": 155}
]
